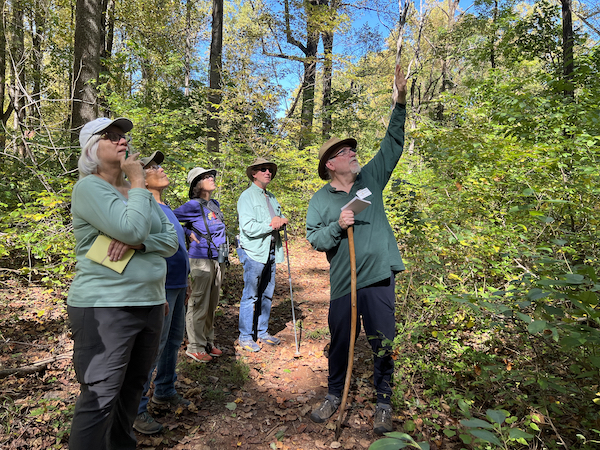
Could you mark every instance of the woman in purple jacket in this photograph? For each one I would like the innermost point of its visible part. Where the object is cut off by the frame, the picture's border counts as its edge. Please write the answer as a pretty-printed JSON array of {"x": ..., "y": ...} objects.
[{"x": 203, "y": 223}]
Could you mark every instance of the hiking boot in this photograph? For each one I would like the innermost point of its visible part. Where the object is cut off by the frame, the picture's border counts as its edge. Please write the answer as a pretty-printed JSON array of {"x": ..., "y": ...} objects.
[
  {"x": 145, "y": 424},
  {"x": 382, "y": 422},
  {"x": 250, "y": 345},
  {"x": 326, "y": 409},
  {"x": 173, "y": 400},
  {"x": 202, "y": 357},
  {"x": 271, "y": 340},
  {"x": 213, "y": 351}
]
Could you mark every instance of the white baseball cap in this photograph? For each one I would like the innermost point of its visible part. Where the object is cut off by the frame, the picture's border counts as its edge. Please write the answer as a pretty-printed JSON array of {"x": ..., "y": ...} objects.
[{"x": 100, "y": 124}]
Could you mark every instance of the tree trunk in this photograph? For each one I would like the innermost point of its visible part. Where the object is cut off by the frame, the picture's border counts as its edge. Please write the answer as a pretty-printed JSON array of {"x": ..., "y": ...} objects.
[
  {"x": 188, "y": 47},
  {"x": 446, "y": 83},
  {"x": 89, "y": 46},
  {"x": 327, "y": 37},
  {"x": 493, "y": 36},
  {"x": 567, "y": 34},
  {"x": 4, "y": 114},
  {"x": 108, "y": 24},
  {"x": 38, "y": 31},
  {"x": 18, "y": 73},
  {"x": 308, "y": 87},
  {"x": 214, "y": 96}
]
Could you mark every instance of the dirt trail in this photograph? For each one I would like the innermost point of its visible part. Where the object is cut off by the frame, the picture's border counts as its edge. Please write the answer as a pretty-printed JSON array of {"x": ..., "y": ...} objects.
[{"x": 270, "y": 410}]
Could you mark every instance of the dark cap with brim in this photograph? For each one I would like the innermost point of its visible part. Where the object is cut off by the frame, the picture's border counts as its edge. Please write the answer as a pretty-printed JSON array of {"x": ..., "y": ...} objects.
[
  {"x": 328, "y": 149},
  {"x": 157, "y": 157},
  {"x": 258, "y": 163}
]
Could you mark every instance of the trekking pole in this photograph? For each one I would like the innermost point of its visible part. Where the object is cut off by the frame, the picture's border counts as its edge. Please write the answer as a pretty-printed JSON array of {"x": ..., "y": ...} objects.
[
  {"x": 287, "y": 251},
  {"x": 353, "y": 316}
]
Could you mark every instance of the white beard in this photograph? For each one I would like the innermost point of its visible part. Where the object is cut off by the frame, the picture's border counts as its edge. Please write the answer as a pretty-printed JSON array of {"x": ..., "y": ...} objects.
[{"x": 355, "y": 168}]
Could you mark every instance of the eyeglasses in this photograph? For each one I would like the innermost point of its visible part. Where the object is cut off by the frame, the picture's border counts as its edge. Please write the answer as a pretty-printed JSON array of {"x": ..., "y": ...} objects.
[
  {"x": 343, "y": 152},
  {"x": 114, "y": 137},
  {"x": 264, "y": 169},
  {"x": 153, "y": 167}
]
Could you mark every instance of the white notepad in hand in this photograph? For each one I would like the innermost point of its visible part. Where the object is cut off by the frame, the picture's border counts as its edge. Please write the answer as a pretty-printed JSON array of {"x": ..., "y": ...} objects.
[{"x": 356, "y": 205}]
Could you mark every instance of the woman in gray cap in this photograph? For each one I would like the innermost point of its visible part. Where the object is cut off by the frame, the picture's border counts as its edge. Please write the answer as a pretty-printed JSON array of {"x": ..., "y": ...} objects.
[
  {"x": 116, "y": 315},
  {"x": 205, "y": 226}
]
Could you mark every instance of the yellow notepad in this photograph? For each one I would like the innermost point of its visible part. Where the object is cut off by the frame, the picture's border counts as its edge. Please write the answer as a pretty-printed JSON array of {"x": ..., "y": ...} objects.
[{"x": 98, "y": 253}]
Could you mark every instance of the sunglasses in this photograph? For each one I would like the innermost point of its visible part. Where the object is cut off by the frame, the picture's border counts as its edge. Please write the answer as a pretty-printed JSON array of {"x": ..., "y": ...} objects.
[
  {"x": 343, "y": 152},
  {"x": 264, "y": 169},
  {"x": 206, "y": 177},
  {"x": 153, "y": 167},
  {"x": 115, "y": 137}
]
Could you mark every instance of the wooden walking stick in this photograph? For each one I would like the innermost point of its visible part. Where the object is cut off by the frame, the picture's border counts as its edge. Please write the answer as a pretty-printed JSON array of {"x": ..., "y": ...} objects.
[{"x": 353, "y": 315}]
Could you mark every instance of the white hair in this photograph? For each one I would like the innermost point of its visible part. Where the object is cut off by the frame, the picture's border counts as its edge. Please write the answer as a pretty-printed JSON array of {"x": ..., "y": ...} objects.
[
  {"x": 88, "y": 160},
  {"x": 356, "y": 170}
]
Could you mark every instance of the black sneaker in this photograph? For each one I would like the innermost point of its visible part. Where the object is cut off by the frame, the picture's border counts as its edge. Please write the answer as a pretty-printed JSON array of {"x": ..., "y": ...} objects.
[
  {"x": 173, "y": 400},
  {"x": 145, "y": 424},
  {"x": 326, "y": 409},
  {"x": 382, "y": 422}
]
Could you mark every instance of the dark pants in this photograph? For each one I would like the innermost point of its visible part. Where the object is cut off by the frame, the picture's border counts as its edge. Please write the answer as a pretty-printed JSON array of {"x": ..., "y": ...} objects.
[
  {"x": 376, "y": 305},
  {"x": 112, "y": 354}
]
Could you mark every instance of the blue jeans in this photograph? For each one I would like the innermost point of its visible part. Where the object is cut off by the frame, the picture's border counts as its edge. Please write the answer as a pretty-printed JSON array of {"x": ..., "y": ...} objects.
[
  {"x": 255, "y": 306},
  {"x": 170, "y": 341}
]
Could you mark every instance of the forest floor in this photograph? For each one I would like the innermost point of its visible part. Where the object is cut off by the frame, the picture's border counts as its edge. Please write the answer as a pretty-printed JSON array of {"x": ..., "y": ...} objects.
[{"x": 240, "y": 400}]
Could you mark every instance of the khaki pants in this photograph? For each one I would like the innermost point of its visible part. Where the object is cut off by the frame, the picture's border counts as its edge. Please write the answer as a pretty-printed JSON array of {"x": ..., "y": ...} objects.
[{"x": 206, "y": 276}]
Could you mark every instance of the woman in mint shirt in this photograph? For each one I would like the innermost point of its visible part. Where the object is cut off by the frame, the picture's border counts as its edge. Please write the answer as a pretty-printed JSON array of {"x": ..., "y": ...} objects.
[{"x": 116, "y": 318}]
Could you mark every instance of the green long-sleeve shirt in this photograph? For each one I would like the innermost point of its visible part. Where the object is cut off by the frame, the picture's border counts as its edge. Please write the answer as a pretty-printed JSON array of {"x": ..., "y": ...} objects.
[
  {"x": 377, "y": 254},
  {"x": 255, "y": 231},
  {"x": 99, "y": 208}
]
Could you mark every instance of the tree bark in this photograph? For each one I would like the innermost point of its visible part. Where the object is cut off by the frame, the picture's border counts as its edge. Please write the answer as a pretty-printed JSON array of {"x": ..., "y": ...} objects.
[
  {"x": 17, "y": 55},
  {"x": 308, "y": 87},
  {"x": 493, "y": 35},
  {"x": 188, "y": 47},
  {"x": 327, "y": 38},
  {"x": 89, "y": 46},
  {"x": 38, "y": 366},
  {"x": 4, "y": 114},
  {"x": 568, "y": 62},
  {"x": 38, "y": 31},
  {"x": 214, "y": 96}
]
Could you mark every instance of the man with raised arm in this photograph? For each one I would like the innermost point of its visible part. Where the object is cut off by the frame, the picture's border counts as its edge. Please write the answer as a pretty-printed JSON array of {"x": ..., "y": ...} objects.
[{"x": 377, "y": 257}]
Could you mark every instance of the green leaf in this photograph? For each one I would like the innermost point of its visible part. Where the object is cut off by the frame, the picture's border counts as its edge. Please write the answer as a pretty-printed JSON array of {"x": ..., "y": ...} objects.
[
  {"x": 486, "y": 436},
  {"x": 537, "y": 326},
  {"x": 400, "y": 435},
  {"x": 560, "y": 242},
  {"x": 388, "y": 444},
  {"x": 524, "y": 317},
  {"x": 536, "y": 294},
  {"x": 409, "y": 426},
  {"x": 231, "y": 406},
  {"x": 516, "y": 433},
  {"x": 466, "y": 438},
  {"x": 476, "y": 423},
  {"x": 574, "y": 278},
  {"x": 423, "y": 445},
  {"x": 595, "y": 360},
  {"x": 588, "y": 298},
  {"x": 496, "y": 416}
]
